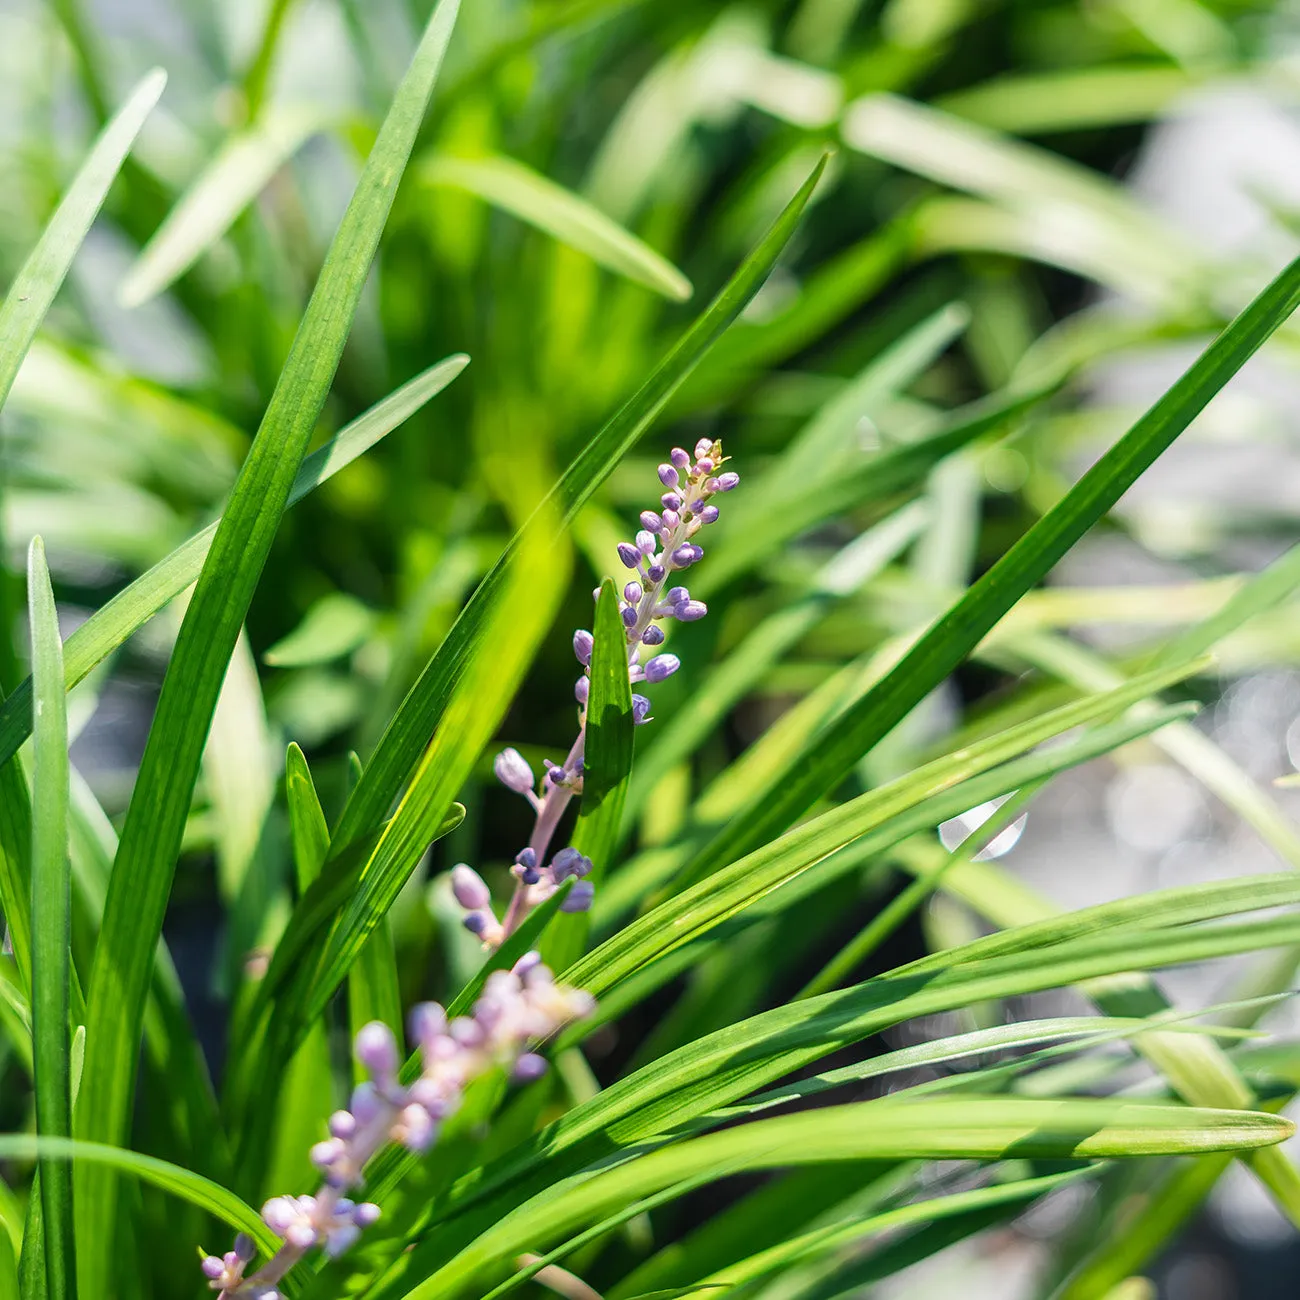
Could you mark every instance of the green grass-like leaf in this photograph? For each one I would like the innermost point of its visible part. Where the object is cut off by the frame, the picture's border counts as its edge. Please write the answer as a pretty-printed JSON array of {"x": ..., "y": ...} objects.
[
  {"x": 51, "y": 925},
  {"x": 115, "y": 621},
  {"x": 517, "y": 189},
  {"x": 151, "y": 835}
]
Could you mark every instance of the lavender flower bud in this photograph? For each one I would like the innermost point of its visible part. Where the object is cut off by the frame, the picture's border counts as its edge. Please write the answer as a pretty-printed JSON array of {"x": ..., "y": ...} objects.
[
  {"x": 656, "y": 573},
  {"x": 245, "y": 1248},
  {"x": 684, "y": 556},
  {"x": 629, "y": 555},
  {"x": 632, "y": 593},
  {"x": 415, "y": 1129},
  {"x": 691, "y": 610},
  {"x": 703, "y": 466},
  {"x": 708, "y": 515},
  {"x": 671, "y": 501},
  {"x": 365, "y": 1103},
  {"x": 531, "y": 960},
  {"x": 579, "y": 897},
  {"x": 339, "y": 1240},
  {"x": 324, "y": 1154},
  {"x": 583, "y": 644},
  {"x": 569, "y": 862},
  {"x": 677, "y": 596},
  {"x": 377, "y": 1049},
  {"x": 426, "y": 1022},
  {"x": 629, "y": 615},
  {"x": 671, "y": 520},
  {"x": 640, "y": 709},
  {"x": 279, "y": 1214},
  {"x": 529, "y": 1067},
  {"x": 652, "y": 635},
  {"x": 668, "y": 476},
  {"x": 661, "y": 667},
  {"x": 727, "y": 481},
  {"x": 366, "y": 1214},
  {"x": 651, "y": 521},
  {"x": 703, "y": 448},
  {"x": 469, "y": 887},
  {"x": 526, "y": 858},
  {"x": 680, "y": 458},
  {"x": 343, "y": 1124},
  {"x": 213, "y": 1267},
  {"x": 647, "y": 541},
  {"x": 581, "y": 690},
  {"x": 475, "y": 922},
  {"x": 513, "y": 771}
]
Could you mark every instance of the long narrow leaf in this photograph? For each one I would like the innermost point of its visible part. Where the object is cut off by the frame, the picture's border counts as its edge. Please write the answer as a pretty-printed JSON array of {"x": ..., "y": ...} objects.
[
  {"x": 151, "y": 836},
  {"x": 51, "y": 924}
]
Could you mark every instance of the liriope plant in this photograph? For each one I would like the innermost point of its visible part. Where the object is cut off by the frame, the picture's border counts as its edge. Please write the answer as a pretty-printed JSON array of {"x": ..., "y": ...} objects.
[{"x": 642, "y": 999}]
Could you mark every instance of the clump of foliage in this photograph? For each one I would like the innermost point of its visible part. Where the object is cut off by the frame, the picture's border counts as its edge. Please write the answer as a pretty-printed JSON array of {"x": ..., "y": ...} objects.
[{"x": 697, "y": 921}]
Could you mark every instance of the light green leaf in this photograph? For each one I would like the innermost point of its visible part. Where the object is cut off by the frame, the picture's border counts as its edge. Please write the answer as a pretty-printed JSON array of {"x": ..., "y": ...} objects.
[
  {"x": 574, "y": 221},
  {"x": 110, "y": 625},
  {"x": 242, "y": 168},
  {"x": 51, "y": 924},
  {"x": 333, "y": 627},
  {"x": 151, "y": 835}
]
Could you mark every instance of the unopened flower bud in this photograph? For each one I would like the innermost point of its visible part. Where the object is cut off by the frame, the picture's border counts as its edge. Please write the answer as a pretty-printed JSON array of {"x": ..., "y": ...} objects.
[
  {"x": 529, "y": 1067},
  {"x": 703, "y": 448},
  {"x": 582, "y": 689},
  {"x": 469, "y": 887},
  {"x": 727, "y": 481},
  {"x": 513, "y": 771},
  {"x": 656, "y": 573},
  {"x": 640, "y": 709},
  {"x": 661, "y": 667},
  {"x": 680, "y": 458},
  {"x": 647, "y": 542},
  {"x": 583, "y": 643},
  {"x": 651, "y": 521},
  {"x": 668, "y": 476},
  {"x": 653, "y": 635},
  {"x": 629, "y": 555},
  {"x": 691, "y": 610},
  {"x": 377, "y": 1049},
  {"x": 708, "y": 515},
  {"x": 671, "y": 501},
  {"x": 579, "y": 897},
  {"x": 632, "y": 593}
]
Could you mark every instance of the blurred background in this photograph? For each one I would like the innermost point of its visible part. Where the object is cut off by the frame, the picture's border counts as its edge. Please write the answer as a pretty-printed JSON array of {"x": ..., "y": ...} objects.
[{"x": 1020, "y": 187}]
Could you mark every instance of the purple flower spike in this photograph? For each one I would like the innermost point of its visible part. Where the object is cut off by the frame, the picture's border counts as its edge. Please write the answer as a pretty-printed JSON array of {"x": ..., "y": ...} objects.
[
  {"x": 640, "y": 709},
  {"x": 661, "y": 667},
  {"x": 668, "y": 476},
  {"x": 629, "y": 615},
  {"x": 656, "y": 573},
  {"x": 629, "y": 554},
  {"x": 469, "y": 887},
  {"x": 633, "y": 593},
  {"x": 652, "y": 636},
  {"x": 728, "y": 481},
  {"x": 513, "y": 771},
  {"x": 691, "y": 610},
  {"x": 651, "y": 521},
  {"x": 581, "y": 691},
  {"x": 579, "y": 897},
  {"x": 377, "y": 1049},
  {"x": 709, "y": 515},
  {"x": 529, "y": 1067},
  {"x": 583, "y": 644}
]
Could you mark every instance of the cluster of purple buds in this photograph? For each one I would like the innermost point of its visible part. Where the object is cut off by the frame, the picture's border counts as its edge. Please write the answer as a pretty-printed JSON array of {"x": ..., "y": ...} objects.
[
  {"x": 664, "y": 545},
  {"x": 517, "y": 1007},
  {"x": 471, "y": 892}
]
